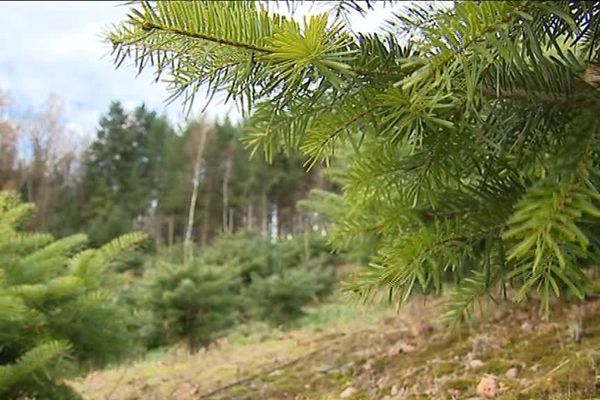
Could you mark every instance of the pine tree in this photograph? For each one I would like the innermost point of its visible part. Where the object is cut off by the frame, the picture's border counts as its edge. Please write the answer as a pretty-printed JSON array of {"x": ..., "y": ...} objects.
[
  {"x": 57, "y": 310},
  {"x": 474, "y": 128},
  {"x": 123, "y": 171}
]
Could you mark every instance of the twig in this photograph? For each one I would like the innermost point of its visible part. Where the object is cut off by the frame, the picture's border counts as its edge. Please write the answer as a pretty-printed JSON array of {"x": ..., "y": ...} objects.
[
  {"x": 552, "y": 371},
  {"x": 339, "y": 338},
  {"x": 336, "y": 367},
  {"x": 559, "y": 366},
  {"x": 263, "y": 373}
]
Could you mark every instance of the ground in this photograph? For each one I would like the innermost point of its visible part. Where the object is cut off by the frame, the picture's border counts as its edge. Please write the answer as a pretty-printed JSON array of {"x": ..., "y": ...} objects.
[{"x": 374, "y": 353}]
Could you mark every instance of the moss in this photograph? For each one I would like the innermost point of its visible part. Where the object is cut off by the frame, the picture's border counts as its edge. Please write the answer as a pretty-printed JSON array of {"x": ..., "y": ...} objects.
[
  {"x": 499, "y": 366},
  {"x": 439, "y": 357},
  {"x": 532, "y": 350},
  {"x": 464, "y": 385},
  {"x": 446, "y": 368}
]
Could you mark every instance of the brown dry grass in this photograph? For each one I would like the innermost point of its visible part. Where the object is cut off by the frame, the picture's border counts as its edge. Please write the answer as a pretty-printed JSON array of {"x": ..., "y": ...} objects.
[{"x": 399, "y": 356}]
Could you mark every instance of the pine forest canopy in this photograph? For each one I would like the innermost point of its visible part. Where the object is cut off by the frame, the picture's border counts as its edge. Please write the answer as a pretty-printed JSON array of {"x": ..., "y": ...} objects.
[{"x": 474, "y": 128}]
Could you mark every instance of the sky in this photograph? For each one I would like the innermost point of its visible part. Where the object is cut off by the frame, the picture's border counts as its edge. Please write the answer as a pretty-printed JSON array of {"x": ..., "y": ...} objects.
[{"x": 56, "y": 48}]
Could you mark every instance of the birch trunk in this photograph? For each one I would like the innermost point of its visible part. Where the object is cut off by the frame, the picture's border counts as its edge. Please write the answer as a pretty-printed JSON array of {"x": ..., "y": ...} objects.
[
  {"x": 226, "y": 178},
  {"x": 265, "y": 215},
  {"x": 187, "y": 243}
]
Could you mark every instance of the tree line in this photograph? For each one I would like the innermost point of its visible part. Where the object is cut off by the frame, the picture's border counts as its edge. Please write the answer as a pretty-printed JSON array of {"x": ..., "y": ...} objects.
[
  {"x": 139, "y": 172},
  {"x": 91, "y": 271}
]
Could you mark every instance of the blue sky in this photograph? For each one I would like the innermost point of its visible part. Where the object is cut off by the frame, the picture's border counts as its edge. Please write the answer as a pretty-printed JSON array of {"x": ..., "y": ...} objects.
[{"x": 56, "y": 47}]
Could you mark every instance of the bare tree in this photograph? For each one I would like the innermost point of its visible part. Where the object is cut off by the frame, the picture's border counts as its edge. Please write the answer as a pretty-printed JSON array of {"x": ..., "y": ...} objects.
[
  {"x": 54, "y": 153},
  {"x": 227, "y": 218},
  {"x": 8, "y": 149},
  {"x": 203, "y": 131}
]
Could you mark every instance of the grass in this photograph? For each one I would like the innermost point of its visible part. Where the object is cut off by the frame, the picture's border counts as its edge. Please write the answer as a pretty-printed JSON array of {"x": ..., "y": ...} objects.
[{"x": 336, "y": 346}]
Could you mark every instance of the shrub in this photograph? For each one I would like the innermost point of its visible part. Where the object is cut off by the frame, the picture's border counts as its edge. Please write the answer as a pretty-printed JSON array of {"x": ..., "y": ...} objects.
[
  {"x": 302, "y": 248},
  {"x": 249, "y": 252},
  {"x": 57, "y": 308},
  {"x": 193, "y": 301},
  {"x": 278, "y": 279},
  {"x": 279, "y": 298},
  {"x": 241, "y": 277},
  {"x": 253, "y": 253}
]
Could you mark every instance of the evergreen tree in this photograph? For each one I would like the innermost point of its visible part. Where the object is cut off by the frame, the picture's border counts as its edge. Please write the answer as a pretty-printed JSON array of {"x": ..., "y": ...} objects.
[
  {"x": 476, "y": 141},
  {"x": 124, "y": 171},
  {"x": 57, "y": 307},
  {"x": 193, "y": 302},
  {"x": 138, "y": 174},
  {"x": 237, "y": 278},
  {"x": 280, "y": 297}
]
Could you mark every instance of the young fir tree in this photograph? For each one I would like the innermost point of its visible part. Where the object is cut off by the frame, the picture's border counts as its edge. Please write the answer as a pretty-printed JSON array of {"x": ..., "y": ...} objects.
[
  {"x": 194, "y": 302},
  {"x": 475, "y": 129},
  {"x": 57, "y": 310}
]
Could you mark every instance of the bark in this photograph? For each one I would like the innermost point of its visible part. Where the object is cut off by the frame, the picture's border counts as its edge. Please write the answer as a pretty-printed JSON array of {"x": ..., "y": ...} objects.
[
  {"x": 206, "y": 214},
  {"x": 226, "y": 178},
  {"x": 231, "y": 220},
  {"x": 187, "y": 243},
  {"x": 170, "y": 229},
  {"x": 265, "y": 215},
  {"x": 249, "y": 217},
  {"x": 306, "y": 224}
]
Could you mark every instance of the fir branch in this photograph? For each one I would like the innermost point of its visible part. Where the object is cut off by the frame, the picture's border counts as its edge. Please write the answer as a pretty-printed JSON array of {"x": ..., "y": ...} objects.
[
  {"x": 549, "y": 99},
  {"x": 149, "y": 26}
]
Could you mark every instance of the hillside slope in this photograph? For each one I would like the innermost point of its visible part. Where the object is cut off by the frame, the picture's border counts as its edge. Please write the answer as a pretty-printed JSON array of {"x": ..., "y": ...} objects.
[{"x": 383, "y": 355}]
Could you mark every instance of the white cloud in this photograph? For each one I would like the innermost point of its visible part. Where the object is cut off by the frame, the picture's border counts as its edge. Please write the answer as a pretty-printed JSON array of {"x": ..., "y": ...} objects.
[{"x": 56, "y": 47}]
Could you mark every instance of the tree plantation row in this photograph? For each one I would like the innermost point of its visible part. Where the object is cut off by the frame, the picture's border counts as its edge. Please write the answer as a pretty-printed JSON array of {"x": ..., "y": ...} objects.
[
  {"x": 66, "y": 308},
  {"x": 250, "y": 254}
]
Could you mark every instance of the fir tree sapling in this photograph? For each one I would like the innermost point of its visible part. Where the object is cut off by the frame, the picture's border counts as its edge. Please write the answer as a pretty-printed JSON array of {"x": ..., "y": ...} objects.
[{"x": 58, "y": 310}]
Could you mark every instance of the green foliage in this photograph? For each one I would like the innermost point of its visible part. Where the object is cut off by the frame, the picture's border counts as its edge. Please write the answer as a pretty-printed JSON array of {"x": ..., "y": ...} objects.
[
  {"x": 123, "y": 171},
  {"x": 255, "y": 254},
  {"x": 280, "y": 298},
  {"x": 241, "y": 277},
  {"x": 476, "y": 145},
  {"x": 193, "y": 301},
  {"x": 57, "y": 307},
  {"x": 137, "y": 174},
  {"x": 250, "y": 253}
]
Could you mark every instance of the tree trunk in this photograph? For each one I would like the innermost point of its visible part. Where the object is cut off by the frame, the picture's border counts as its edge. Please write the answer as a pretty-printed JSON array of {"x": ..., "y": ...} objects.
[
  {"x": 207, "y": 214},
  {"x": 249, "y": 217},
  {"x": 275, "y": 223},
  {"x": 265, "y": 215},
  {"x": 306, "y": 224},
  {"x": 170, "y": 229},
  {"x": 231, "y": 220},
  {"x": 226, "y": 178},
  {"x": 187, "y": 243}
]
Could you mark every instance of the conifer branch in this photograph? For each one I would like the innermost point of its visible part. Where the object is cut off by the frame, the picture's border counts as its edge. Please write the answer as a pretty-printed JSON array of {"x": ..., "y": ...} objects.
[
  {"x": 149, "y": 26},
  {"x": 549, "y": 99}
]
